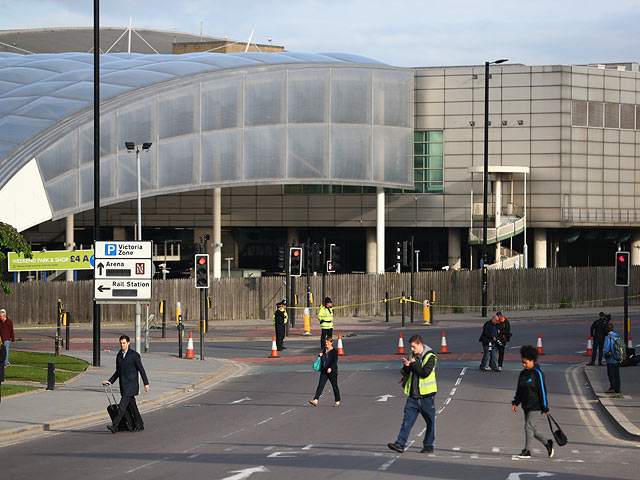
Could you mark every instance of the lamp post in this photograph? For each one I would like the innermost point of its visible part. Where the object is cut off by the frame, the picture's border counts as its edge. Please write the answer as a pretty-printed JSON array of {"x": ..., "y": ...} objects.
[
  {"x": 485, "y": 182},
  {"x": 130, "y": 148}
]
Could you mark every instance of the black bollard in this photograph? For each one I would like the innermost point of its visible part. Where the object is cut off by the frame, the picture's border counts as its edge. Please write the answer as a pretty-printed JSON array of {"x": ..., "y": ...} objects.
[
  {"x": 51, "y": 376},
  {"x": 180, "y": 329},
  {"x": 68, "y": 328},
  {"x": 402, "y": 301},
  {"x": 163, "y": 308},
  {"x": 386, "y": 305}
]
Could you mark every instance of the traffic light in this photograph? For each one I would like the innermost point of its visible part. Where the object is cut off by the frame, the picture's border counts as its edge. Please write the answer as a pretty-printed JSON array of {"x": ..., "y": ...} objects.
[
  {"x": 202, "y": 270},
  {"x": 281, "y": 259},
  {"x": 295, "y": 261},
  {"x": 335, "y": 257},
  {"x": 622, "y": 269},
  {"x": 316, "y": 257}
]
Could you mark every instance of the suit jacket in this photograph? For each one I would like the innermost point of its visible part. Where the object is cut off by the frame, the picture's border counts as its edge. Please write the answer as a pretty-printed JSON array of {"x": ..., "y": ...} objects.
[{"x": 127, "y": 371}]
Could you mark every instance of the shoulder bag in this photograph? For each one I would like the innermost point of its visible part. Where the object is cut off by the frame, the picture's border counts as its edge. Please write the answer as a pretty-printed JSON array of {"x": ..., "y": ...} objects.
[
  {"x": 558, "y": 435},
  {"x": 317, "y": 363}
]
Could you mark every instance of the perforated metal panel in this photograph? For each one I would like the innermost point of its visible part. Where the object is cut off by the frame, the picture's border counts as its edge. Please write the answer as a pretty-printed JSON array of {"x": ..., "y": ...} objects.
[
  {"x": 595, "y": 114},
  {"x": 579, "y": 113}
]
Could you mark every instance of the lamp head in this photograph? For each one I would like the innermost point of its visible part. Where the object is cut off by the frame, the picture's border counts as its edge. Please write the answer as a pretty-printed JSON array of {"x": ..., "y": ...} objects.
[
  {"x": 146, "y": 146},
  {"x": 130, "y": 146},
  {"x": 502, "y": 60}
]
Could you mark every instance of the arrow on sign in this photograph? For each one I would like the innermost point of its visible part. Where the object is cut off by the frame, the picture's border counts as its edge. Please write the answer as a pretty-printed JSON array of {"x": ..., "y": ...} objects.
[
  {"x": 384, "y": 398},
  {"x": 100, "y": 267},
  {"x": 240, "y": 401},
  {"x": 516, "y": 475},
  {"x": 102, "y": 288},
  {"x": 246, "y": 473}
]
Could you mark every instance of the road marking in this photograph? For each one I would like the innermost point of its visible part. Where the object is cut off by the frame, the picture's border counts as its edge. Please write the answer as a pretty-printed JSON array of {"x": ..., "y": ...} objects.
[
  {"x": 440, "y": 410},
  {"x": 495, "y": 449},
  {"x": 287, "y": 411},
  {"x": 384, "y": 398},
  {"x": 281, "y": 455},
  {"x": 240, "y": 401},
  {"x": 516, "y": 475},
  {"x": 458, "y": 381},
  {"x": 149, "y": 464},
  {"x": 194, "y": 455},
  {"x": 246, "y": 473},
  {"x": 270, "y": 448},
  {"x": 446, "y": 402},
  {"x": 464, "y": 370},
  {"x": 233, "y": 433},
  {"x": 452, "y": 392},
  {"x": 387, "y": 464},
  {"x": 308, "y": 447},
  {"x": 264, "y": 421},
  {"x": 567, "y": 460},
  {"x": 456, "y": 449}
]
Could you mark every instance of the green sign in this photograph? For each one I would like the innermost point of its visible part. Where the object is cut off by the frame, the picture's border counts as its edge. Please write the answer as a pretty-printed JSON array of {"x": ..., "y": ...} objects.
[{"x": 55, "y": 260}]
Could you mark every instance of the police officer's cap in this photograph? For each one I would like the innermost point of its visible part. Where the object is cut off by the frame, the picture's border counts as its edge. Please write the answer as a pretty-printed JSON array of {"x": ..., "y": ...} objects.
[{"x": 327, "y": 300}]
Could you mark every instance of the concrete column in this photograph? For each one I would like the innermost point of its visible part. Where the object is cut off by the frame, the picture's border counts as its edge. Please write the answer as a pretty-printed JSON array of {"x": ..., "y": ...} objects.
[
  {"x": 293, "y": 236},
  {"x": 371, "y": 250},
  {"x": 498, "y": 211},
  {"x": 69, "y": 243},
  {"x": 119, "y": 233},
  {"x": 635, "y": 248},
  {"x": 217, "y": 233},
  {"x": 454, "y": 249},
  {"x": 380, "y": 226},
  {"x": 540, "y": 248}
]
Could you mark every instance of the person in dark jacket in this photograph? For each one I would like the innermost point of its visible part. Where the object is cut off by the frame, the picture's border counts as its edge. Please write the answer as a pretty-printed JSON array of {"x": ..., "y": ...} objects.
[
  {"x": 128, "y": 365},
  {"x": 613, "y": 365},
  {"x": 531, "y": 393},
  {"x": 487, "y": 338},
  {"x": 598, "y": 333},
  {"x": 280, "y": 322},
  {"x": 328, "y": 370},
  {"x": 504, "y": 335}
]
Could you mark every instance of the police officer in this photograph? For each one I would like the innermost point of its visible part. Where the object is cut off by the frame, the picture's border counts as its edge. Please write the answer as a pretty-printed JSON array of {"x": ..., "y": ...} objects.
[
  {"x": 325, "y": 317},
  {"x": 280, "y": 319}
]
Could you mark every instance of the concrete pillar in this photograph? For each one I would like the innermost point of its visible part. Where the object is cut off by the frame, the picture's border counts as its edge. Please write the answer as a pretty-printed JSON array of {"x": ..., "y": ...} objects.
[
  {"x": 69, "y": 243},
  {"x": 635, "y": 248},
  {"x": 498, "y": 211},
  {"x": 380, "y": 226},
  {"x": 119, "y": 234},
  {"x": 540, "y": 248},
  {"x": 454, "y": 249},
  {"x": 293, "y": 236},
  {"x": 217, "y": 233},
  {"x": 371, "y": 250}
]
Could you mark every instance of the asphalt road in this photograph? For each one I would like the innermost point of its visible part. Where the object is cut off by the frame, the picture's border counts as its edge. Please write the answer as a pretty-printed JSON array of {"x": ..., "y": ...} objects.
[{"x": 260, "y": 426}]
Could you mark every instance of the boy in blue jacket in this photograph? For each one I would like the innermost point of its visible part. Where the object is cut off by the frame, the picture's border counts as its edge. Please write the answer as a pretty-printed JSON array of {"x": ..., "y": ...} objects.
[
  {"x": 532, "y": 395},
  {"x": 613, "y": 365}
]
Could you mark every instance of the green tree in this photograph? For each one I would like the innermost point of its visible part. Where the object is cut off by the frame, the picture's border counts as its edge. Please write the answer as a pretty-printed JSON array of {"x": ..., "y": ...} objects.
[{"x": 11, "y": 241}]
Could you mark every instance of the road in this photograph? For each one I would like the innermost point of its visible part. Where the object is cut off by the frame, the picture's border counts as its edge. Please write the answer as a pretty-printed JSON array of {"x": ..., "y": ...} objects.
[{"x": 260, "y": 425}]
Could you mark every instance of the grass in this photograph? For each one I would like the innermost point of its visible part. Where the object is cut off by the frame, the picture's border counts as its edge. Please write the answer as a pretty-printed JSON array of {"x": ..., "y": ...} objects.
[
  {"x": 15, "y": 389},
  {"x": 41, "y": 360},
  {"x": 21, "y": 373}
]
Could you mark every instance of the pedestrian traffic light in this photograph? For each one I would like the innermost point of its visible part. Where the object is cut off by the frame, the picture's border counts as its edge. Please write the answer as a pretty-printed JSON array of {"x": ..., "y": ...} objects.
[
  {"x": 335, "y": 256},
  {"x": 316, "y": 257},
  {"x": 202, "y": 270},
  {"x": 281, "y": 259},
  {"x": 622, "y": 269},
  {"x": 295, "y": 261}
]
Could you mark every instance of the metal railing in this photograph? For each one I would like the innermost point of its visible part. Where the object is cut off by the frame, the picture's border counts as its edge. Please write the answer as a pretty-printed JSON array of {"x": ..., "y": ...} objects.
[{"x": 600, "y": 215}]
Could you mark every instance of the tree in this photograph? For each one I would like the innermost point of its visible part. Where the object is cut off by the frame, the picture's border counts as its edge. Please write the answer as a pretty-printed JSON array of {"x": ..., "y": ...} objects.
[{"x": 11, "y": 241}]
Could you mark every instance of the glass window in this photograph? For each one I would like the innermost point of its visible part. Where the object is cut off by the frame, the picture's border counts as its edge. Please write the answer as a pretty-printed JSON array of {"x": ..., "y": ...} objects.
[{"x": 427, "y": 162}]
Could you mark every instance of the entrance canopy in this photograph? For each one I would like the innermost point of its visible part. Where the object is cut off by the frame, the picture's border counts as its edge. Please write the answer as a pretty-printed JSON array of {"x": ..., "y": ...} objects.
[{"x": 214, "y": 120}]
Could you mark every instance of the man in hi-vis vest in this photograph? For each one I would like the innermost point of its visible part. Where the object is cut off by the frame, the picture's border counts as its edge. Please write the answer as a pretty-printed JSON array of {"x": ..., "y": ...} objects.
[
  {"x": 419, "y": 381},
  {"x": 325, "y": 317}
]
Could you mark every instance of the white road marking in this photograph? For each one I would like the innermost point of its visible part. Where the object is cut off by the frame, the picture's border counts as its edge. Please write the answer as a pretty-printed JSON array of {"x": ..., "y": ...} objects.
[
  {"x": 439, "y": 411},
  {"x": 384, "y": 398},
  {"x": 264, "y": 421},
  {"x": 495, "y": 449},
  {"x": 194, "y": 455},
  {"x": 464, "y": 370},
  {"x": 458, "y": 381},
  {"x": 422, "y": 431},
  {"x": 388, "y": 463},
  {"x": 233, "y": 433},
  {"x": 567, "y": 460},
  {"x": 452, "y": 392},
  {"x": 456, "y": 449},
  {"x": 148, "y": 464},
  {"x": 239, "y": 401},
  {"x": 245, "y": 473},
  {"x": 287, "y": 411},
  {"x": 280, "y": 455},
  {"x": 308, "y": 447},
  {"x": 446, "y": 402},
  {"x": 516, "y": 475},
  {"x": 271, "y": 447}
]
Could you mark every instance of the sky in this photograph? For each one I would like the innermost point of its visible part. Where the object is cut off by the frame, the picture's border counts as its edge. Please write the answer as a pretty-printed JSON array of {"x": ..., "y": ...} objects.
[{"x": 406, "y": 33}]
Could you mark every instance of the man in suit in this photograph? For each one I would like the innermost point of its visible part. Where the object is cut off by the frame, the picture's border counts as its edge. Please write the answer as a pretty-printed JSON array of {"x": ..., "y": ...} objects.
[{"x": 128, "y": 364}]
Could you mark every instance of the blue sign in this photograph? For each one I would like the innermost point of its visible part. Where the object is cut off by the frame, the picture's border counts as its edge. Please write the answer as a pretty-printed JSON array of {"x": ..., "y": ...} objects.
[
  {"x": 92, "y": 260},
  {"x": 111, "y": 249}
]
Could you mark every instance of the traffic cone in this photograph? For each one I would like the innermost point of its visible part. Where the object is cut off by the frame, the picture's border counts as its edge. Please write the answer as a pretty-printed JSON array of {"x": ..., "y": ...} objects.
[
  {"x": 443, "y": 344},
  {"x": 630, "y": 343},
  {"x": 340, "y": 349},
  {"x": 400, "y": 345},
  {"x": 589, "y": 347},
  {"x": 539, "y": 344},
  {"x": 274, "y": 348},
  {"x": 190, "y": 346}
]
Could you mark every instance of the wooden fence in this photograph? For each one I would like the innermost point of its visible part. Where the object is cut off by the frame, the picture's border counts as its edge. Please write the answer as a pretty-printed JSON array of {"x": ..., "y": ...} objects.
[{"x": 246, "y": 298}]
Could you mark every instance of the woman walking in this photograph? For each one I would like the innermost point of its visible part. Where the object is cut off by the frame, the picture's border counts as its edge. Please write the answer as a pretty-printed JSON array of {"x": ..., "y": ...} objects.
[
  {"x": 328, "y": 370},
  {"x": 532, "y": 394}
]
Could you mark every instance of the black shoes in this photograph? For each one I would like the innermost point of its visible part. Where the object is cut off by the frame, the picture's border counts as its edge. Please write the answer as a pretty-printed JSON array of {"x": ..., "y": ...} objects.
[
  {"x": 600, "y": 364},
  {"x": 590, "y": 364},
  {"x": 138, "y": 429},
  {"x": 549, "y": 446},
  {"x": 427, "y": 450},
  {"x": 396, "y": 447},
  {"x": 112, "y": 428},
  {"x": 525, "y": 454}
]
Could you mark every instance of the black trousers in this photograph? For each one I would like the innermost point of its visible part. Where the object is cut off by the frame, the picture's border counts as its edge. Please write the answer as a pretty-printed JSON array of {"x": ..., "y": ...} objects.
[
  {"x": 326, "y": 332},
  {"x": 613, "y": 372},
  {"x": 333, "y": 378},
  {"x": 280, "y": 329},
  {"x": 598, "y": 346},
  {"x": 500, "y": 354},
  {"x": 129, "y": 402}
]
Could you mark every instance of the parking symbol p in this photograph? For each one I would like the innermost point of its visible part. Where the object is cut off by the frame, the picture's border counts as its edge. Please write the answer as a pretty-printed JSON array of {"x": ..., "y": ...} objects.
[{"x": 111, "y": 249}]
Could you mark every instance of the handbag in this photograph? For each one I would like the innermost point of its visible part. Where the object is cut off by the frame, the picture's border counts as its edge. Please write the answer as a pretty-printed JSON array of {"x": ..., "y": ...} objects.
[
  {"x": 558, "y": 435},
  {"x": 317, "y": 363}
]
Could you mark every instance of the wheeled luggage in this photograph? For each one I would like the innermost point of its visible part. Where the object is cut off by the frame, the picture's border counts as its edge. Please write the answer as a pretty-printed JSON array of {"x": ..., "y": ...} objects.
[{"x": 113, "y": 408}]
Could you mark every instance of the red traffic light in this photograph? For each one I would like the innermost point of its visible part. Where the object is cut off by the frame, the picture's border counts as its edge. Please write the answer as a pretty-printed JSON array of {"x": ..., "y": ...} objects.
[
  {"x": 296, "y": 253},
  {"x": 622, "y": 258},
  {"x": 202, "y": 260}
]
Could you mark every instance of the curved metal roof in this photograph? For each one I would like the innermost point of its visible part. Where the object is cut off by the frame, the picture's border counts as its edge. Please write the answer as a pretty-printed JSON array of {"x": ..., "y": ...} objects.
[{"x": 38, "y": 90}]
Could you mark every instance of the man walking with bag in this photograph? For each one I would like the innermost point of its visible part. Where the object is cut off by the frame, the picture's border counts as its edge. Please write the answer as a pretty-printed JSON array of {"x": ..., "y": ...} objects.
[{"x": 128, "y": 365}]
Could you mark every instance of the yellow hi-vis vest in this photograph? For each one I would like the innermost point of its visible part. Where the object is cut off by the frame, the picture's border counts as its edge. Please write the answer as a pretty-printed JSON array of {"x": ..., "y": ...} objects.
[
  {"x": 325, "y": 317},
  {"x": 427, "y": 385},
  {"x": 286, "y": 317}
]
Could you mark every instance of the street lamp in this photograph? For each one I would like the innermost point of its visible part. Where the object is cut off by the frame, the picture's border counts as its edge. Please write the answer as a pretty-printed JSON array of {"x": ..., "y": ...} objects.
[
  {"x": 485, "y": 181},
  {"x": 130, "y": 148}
]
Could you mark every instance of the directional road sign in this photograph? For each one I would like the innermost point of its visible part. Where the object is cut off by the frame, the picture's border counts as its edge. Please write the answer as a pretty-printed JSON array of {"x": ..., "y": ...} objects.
[{"x": 123, "y": 272}]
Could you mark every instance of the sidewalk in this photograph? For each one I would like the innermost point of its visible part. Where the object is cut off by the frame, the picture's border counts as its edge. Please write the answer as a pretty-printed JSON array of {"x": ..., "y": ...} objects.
[{"x": 82, "y": 400}]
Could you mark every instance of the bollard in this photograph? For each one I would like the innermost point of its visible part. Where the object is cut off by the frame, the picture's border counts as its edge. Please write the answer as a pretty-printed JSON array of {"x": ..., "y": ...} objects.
[
  {"x": 51, "y": 376},
  {"x": 180, "y": 328},
  {"x": 386, "y": 306},
  {"x": 432, "y": 304},
  {"x": 163, "y": 311},
  {"x": 402, "y": 304},
  {"x": 65, "y": 322},
  {"x": 426, "y": 312},
  {"x": 307, "y": 321}
]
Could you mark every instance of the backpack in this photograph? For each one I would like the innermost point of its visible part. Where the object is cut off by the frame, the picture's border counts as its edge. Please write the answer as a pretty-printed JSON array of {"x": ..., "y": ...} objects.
[{"x": 618, "y": 348}]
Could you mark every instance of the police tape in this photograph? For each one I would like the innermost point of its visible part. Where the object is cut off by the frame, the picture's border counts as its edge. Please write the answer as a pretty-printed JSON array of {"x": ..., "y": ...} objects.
[{"x": 85, "y": 326}]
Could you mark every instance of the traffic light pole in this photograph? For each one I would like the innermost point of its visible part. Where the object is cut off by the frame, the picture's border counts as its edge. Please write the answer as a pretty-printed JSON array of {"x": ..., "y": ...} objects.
[
  {"x": 323, "y": 266},
  {"x": 412, "y": 269},
  {"x": 625, "y": 320}
]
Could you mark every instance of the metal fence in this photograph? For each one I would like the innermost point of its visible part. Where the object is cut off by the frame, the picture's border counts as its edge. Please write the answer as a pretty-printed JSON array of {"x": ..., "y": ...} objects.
[{"x": 356, "y": 295}]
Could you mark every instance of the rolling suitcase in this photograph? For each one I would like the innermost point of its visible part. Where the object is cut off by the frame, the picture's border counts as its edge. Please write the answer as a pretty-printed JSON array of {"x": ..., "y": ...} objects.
[{"x": 126, "y": 424}]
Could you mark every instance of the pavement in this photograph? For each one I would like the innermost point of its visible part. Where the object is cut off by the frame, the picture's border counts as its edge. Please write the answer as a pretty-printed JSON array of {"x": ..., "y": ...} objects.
[{"x": 81, "y": 401}]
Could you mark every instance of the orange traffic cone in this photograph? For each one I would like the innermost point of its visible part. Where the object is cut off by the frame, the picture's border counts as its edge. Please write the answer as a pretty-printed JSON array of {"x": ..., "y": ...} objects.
[
  {"x": 539, "y": 344},
  {"x": 589, "y": 351},
  {"x": 630, "y": 343},
  {"x": 190, "y": 346},
  {"x": 443, "y": 344},
  {"x": 274, "y": 348},
  {"x": 340, "y": 349},
  {"x": 400, "y": 346}
]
